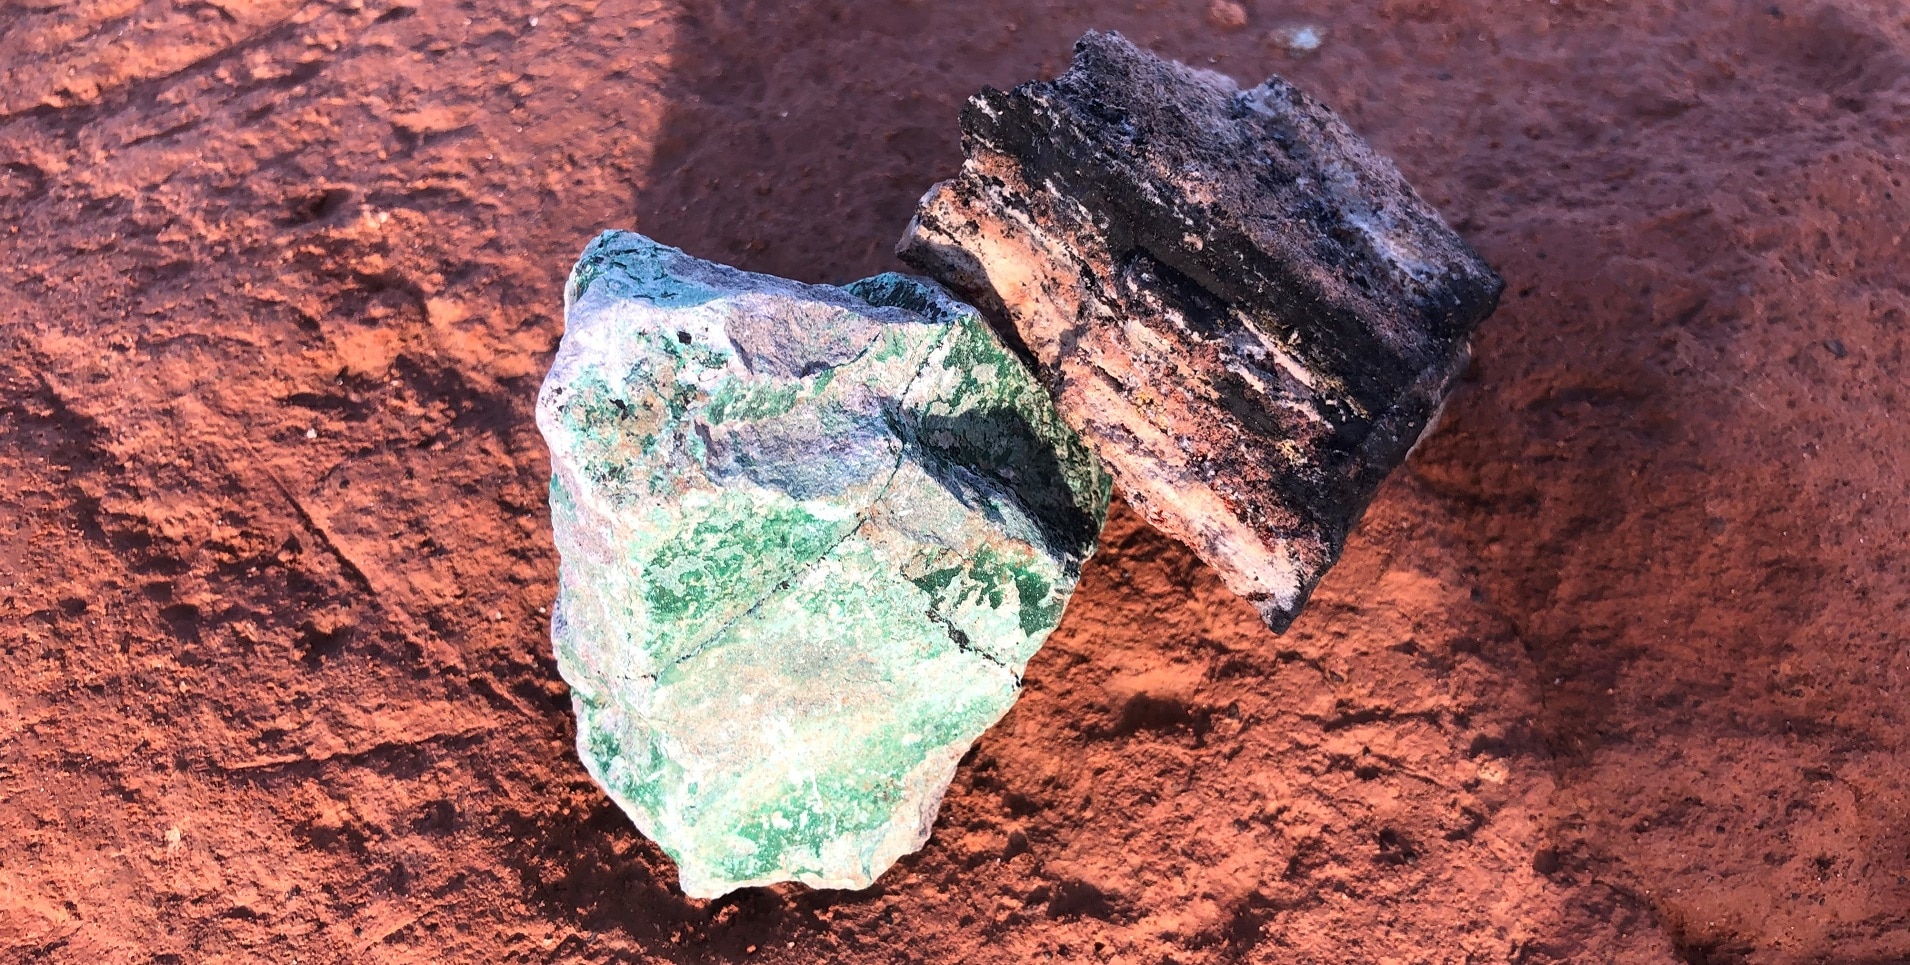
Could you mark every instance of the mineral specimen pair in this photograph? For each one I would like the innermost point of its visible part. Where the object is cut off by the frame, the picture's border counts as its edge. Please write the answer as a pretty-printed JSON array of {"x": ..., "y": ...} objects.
[{"x": 811, "y": 535}]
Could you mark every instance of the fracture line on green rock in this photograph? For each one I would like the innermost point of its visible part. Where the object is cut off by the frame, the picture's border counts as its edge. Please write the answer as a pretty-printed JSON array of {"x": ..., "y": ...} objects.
[
  {"x": 962, "y": 643},
  {"x": 862, "y": 519}
]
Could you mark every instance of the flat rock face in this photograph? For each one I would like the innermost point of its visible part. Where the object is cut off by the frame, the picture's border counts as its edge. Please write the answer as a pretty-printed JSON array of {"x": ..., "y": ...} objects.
[
  {"x": 810, "y": 536},
  {"x": 1245, "y": 311}
]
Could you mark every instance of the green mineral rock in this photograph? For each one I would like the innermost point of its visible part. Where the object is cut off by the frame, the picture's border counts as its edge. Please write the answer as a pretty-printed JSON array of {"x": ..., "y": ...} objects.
[{"x": 810, "y": 536}]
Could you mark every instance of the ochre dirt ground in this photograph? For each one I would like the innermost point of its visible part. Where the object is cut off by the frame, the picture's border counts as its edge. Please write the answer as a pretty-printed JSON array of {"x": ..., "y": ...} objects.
[{"x": 1615, "y": 669}]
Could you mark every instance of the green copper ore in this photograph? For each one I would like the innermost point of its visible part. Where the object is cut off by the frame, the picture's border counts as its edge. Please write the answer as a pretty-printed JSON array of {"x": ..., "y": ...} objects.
[{"x": 810, "y": 536}]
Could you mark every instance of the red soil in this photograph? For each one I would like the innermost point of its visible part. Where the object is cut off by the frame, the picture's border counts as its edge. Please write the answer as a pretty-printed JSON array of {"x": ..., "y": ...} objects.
[{"x": 1614, "y": 670}]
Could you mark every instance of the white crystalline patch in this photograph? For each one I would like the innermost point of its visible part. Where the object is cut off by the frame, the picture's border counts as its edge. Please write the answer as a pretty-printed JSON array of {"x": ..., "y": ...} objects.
[
  {"x": 1394, "y": 249},
  {"x": 1300, "y": 39}
]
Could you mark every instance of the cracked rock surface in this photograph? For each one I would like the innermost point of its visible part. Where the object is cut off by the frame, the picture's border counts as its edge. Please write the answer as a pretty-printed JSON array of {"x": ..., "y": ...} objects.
[
  {"x": 1244, "y": 310},
  {"x": 810, "y": 536}
]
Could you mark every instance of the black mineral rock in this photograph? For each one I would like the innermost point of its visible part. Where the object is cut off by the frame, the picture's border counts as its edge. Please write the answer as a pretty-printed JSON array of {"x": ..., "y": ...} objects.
[{"x": 1246, "y": 311}]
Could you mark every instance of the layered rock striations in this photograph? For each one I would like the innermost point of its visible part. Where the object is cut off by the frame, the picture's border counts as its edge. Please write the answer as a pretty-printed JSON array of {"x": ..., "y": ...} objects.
[
  {"x": 1243, "y": 309},
  {"x": 810, "y": 536}
]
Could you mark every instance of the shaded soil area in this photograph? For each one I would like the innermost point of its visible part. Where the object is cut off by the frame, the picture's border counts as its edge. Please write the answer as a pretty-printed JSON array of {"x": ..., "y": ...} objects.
[{"x": 1614, "y": 670}]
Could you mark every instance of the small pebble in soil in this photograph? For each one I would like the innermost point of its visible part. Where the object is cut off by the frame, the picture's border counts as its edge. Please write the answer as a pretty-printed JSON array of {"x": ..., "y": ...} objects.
[
  {"x": 1227, "y": 15},
  {"x": 1243, "y": 308},
  {"x": 809, "y": 538}
]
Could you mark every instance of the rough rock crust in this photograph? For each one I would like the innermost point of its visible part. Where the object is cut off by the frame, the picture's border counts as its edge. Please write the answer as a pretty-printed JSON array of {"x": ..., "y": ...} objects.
[{"x": 1245, "y": 310}]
